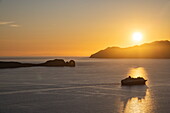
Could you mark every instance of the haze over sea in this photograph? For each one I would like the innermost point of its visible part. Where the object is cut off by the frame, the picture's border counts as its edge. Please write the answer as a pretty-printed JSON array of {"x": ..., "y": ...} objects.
[{"x": 93, "y": 86}]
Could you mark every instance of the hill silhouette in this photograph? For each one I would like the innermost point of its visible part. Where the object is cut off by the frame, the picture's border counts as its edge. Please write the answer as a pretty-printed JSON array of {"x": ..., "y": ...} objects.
[
  {"x": 49, "y": 63},
  {"x": 157, "y": 49}
]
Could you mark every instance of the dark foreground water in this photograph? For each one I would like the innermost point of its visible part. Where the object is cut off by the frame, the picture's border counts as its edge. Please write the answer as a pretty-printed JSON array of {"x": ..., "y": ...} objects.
[{"x": 93, "y": 86}]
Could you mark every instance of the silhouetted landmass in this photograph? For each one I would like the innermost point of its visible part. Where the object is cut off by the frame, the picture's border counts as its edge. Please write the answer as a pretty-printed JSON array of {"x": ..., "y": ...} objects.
[
  {"x": 157, "y": 49},
  {"x": 49, "y": 63}
]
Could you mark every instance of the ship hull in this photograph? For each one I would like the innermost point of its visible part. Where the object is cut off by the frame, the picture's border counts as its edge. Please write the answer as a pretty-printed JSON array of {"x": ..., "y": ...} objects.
[{"x": 134, "y": 82}]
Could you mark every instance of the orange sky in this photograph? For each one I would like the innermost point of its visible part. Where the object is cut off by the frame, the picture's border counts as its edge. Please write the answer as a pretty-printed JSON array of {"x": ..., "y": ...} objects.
[{"x": 79, "y": 28}]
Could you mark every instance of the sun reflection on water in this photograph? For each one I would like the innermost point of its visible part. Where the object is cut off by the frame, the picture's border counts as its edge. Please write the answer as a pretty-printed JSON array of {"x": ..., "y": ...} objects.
[
  {"x": 138, "y": 72},
  {"x": 137, "y": 99},
  {"x": 139, "y": 105}
]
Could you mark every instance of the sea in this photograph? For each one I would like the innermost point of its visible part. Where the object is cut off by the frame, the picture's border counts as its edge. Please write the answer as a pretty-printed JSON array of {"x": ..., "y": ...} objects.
[{"x": 93, "y": 86}]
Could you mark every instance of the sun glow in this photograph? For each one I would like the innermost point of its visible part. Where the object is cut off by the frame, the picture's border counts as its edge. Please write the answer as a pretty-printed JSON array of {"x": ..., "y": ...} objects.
[{"x": 137, "y": 36}]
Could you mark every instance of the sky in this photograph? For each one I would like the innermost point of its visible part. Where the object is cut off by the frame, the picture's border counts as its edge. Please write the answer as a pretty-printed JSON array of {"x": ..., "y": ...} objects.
[{"x": 79, "y": 27}]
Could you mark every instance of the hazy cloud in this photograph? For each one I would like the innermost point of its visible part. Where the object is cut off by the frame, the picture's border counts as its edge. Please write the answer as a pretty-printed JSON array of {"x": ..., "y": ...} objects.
[
  {"x": 5, "y": 23},
  {"x": 14, "y": 25},
  {"x": 9, "y": 23}
]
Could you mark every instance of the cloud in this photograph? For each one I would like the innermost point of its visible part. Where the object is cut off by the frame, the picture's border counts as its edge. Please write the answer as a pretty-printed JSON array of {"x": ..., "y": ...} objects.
[
  {"x": 15, "y": 25},
  {"x": 9, "y": 23},
  {"x": 5, "y": 23}
]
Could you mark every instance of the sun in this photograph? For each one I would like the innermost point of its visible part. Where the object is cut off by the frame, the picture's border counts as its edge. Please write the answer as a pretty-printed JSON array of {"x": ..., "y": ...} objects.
[{"x": 137, "y": 36}]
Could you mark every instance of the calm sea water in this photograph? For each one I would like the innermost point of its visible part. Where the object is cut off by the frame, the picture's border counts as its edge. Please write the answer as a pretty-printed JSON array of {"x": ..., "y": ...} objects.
[{"x": 93, "y": 86}]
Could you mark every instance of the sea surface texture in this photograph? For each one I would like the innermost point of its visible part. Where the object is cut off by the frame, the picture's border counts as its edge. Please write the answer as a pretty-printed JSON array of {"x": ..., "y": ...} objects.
[{"x": 93, "y": 86}]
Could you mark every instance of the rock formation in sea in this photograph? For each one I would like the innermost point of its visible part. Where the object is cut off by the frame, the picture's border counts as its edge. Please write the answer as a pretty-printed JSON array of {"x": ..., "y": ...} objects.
[
  {"x": 157, "y": 49},
  {"x": 49, "y": 63}
]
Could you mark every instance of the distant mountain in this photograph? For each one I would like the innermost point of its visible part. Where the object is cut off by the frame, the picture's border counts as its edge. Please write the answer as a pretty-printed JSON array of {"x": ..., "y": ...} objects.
[{"x": 157, "y": 49}]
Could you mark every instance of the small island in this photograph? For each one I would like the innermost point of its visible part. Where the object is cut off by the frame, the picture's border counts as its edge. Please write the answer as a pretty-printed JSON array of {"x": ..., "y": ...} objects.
[
  {"x": 157, "y": 50},
  {"x": 49, "y": 63}
]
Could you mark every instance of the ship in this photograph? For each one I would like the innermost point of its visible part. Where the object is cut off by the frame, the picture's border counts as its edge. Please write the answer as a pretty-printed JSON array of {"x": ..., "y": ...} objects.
[{"x": 133, "y": 81}]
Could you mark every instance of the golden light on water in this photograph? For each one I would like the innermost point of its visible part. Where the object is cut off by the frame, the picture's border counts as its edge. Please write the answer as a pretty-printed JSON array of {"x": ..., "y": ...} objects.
[
  {"x": 139, "y": 105},
  {"x": 139, "y": 98},
  {"x": 138, "y": 72}
]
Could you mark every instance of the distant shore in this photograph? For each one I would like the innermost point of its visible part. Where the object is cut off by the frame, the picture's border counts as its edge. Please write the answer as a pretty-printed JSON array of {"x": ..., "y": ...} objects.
[
  {"x": 49, "y": 63},
  {"x": 154, "y": 50}
]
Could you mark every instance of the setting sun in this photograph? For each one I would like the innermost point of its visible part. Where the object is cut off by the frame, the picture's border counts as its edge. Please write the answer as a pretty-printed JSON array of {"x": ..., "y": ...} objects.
[
  {"x": 85, "y": 56},
  {"x": 137, "y": 36}
]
